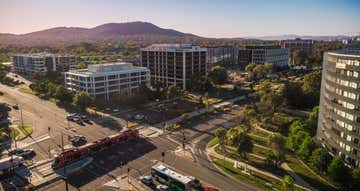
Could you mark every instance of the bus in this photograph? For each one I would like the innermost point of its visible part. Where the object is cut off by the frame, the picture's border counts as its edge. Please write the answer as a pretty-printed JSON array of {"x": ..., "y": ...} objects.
[{"x": 174, "y": 180}]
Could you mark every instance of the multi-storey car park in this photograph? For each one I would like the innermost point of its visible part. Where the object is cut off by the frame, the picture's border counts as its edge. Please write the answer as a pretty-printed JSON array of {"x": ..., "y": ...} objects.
[
  {"x": 339, "y": 115},
  {"x": 29, "y": 64},
  {"x": 260, "y": 54},
  {"x": 174, "y": 64},
  {"x": 106, "y": 80}
]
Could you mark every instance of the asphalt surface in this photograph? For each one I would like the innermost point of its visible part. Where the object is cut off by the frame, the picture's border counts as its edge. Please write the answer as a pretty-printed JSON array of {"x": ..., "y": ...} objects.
[{"x": 138, "y": 156}]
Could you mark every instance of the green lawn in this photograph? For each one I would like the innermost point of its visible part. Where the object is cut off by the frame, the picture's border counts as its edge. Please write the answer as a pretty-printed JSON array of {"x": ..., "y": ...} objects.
[
  {"x": 14, "y": 133},
  {"x": 307, "y": 175},
  {"x": 255, "y": 179},
  {"x": 26, "y": 129},
  {"x": 27, "y": 90},
  {"x": 213, "y": 142}
]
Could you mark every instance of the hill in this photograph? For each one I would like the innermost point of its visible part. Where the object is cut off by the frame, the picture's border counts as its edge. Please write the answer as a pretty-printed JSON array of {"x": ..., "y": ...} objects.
[{"x": 111, "y": 32}]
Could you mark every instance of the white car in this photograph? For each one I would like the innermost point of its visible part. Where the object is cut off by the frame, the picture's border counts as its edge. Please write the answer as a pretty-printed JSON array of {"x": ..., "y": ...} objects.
[
  {"x": 146, "y": 180},
  {"x": 138, "y": 117},
  {"x": 162, "y": 188}
]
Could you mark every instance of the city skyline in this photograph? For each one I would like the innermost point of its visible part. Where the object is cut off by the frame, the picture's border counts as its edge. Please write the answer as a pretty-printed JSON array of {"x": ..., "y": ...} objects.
[{"x": 216, "y": 19}]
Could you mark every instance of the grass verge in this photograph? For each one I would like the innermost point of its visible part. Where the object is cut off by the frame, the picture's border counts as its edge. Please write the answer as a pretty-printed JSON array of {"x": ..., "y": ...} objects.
[
  {"x": 27, "y": 90},
  {"x": 213, "y": 142},
  {"x": 255, "y": 179},
  {"x": 307, "y": 175},
  {"x": 26, "y": 129}
]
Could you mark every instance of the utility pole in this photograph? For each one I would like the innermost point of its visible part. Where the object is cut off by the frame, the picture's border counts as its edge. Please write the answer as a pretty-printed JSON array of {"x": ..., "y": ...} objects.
[
  {"x": 163, "y": 156},
  {"x": 184, "y": 139},
  {"x": 21, "y": 117},
  {"x": 65, "y": 177}
]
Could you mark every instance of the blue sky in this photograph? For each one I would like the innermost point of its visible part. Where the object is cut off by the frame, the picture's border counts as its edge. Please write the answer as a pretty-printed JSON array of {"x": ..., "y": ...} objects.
[{"x": 209, "y": 18}]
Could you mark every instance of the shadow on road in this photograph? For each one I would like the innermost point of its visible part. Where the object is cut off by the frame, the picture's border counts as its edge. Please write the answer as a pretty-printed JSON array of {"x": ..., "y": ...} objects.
[{"x": 110, "y": 159}]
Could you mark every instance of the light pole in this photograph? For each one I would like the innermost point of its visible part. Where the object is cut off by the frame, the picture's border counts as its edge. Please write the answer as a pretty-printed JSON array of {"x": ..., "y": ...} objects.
[{"x": 65, "y": 177}]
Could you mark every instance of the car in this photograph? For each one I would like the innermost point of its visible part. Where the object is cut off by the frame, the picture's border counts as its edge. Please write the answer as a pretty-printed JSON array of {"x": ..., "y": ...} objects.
[
  {"x": 139, "y": 117},
  {"x": 85, "y": 118},
  {"x": 25, "y": 153},
  {"x": 71, "y": 116},
  {"x": 162, "y": 187},
  {"x": 16, "y": 106},
  {"x": 78, "y": 140},
  {"x": 146, "y": 180}
]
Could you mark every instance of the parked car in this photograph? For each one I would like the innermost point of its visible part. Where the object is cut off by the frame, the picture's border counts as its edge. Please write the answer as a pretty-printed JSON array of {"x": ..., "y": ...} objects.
[
  {"x": 139, "y": 117},
  {"x": 71, "y": 116},
  {"x": 85, "y": 118},
  {"x": 78, "y": 140},
  {"x": 25, "y": 153},
  {"x": 16, "y": 106},
  {"x": 162, "y": 187},
  {"x": 146, "y": 180}
]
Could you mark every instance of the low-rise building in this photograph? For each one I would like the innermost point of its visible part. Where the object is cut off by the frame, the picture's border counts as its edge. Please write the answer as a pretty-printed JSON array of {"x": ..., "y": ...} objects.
[
  {"x": 305, "y": 45},
  {"x": 29, "y": 64},
  {"x": 106, "y": 80},
  {"x": 174, "y": 64},
  {"x": 260, "y": 54}
]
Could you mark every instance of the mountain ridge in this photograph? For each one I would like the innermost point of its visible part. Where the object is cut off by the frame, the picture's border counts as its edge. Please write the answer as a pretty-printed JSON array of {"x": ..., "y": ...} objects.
[{"x": 109, "y": 32}]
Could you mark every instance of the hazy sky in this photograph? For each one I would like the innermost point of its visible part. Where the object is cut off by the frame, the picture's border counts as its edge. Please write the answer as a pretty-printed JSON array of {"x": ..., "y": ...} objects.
[{"x": 210, "y": 18}]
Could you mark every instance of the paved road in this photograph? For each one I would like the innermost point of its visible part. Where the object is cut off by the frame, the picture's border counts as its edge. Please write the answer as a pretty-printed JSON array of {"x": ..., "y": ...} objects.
[
  {"x": 138, "y": 156},
  {"x": 43, "y": 114}
]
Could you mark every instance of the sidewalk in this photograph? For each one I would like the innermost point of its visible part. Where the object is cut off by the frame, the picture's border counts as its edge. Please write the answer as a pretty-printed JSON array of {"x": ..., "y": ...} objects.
[{"x": 302, "y": 184}]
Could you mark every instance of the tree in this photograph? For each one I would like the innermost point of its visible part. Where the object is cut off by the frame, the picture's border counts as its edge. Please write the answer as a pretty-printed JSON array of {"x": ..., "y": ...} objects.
[
  {"x": 277, "y": 144},
  {"x": 218, "y": 75},
  {"x": 173, "y": 91},
  {"x": 338, "y": 171},
  {"x": 287, "y": 184},
  {"x": 311, "y": 122},
  {"x": 220, "y": 133},
  {"x": 246, "y": 114},
  {"x": 306, "y": 148},
  {"x": 270, "y": 99},
  {"x": 312, "y": 82},
  {"x": 233, "y": 135},
  {"x": 62, "y": 94},
  {"x": 320, "y": 159},
  {"x": 355, "y": 174},
  {"x": 299, "y": 57},
  {"x": 294, "y": 95},
  {"x": 82, "y": 100},
  {"x": 245, "y": 145},
  {"x": 296, "y": 134}
]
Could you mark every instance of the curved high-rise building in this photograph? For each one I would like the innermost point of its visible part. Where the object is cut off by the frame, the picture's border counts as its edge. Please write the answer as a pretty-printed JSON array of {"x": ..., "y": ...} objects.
[{"x": 339, "y": 115}]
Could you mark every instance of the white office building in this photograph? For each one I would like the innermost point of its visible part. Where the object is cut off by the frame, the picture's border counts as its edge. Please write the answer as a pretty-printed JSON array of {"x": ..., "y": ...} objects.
[
  {"x": 29, "y": 64},
  {"x": 106, "y": 80}
]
